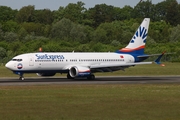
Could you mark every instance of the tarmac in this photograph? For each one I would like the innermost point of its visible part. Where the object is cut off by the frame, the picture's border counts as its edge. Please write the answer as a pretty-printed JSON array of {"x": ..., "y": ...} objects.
[{"x": 99, "y": 80}]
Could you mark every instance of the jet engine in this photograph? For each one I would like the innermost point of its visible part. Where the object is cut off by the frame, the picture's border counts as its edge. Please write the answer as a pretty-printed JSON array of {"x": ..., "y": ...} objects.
[
  {"x": 46, "y": 74},
  {"x": 79, "y": 71}
]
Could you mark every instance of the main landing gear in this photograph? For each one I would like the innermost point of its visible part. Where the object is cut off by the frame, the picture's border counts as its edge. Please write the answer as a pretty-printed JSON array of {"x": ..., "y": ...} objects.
[
  {"x": 69, "y": 77},
  {"x": 90, "y": 77}
]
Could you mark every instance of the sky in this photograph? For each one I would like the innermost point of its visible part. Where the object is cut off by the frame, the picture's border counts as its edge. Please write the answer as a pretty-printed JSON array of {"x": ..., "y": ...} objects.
[{"x": 55, "y": 4}]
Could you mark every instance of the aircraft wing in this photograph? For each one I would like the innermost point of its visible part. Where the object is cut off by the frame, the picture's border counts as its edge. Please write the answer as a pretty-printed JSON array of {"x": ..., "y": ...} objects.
[{"x": 109, "y": 65}]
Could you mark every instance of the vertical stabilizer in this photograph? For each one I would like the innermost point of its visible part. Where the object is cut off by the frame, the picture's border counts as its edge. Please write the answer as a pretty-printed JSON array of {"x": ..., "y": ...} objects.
[{"x": 138, "y": 41}]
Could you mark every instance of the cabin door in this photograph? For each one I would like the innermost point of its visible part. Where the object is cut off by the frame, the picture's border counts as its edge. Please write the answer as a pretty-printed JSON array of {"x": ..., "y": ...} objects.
[{"x": 31, "y": 61}]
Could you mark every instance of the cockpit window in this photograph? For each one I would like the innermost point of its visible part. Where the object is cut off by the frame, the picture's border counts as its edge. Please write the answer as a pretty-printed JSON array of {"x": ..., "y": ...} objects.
[{"x": 17, "y": 60}]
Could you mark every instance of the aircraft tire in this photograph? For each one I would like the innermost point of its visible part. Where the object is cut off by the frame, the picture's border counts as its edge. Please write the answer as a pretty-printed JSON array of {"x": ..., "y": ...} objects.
[
  {"x": 69, "y": 77},
  {"x": 91, "y": 77},
  {"x": 21, "y": 78}
]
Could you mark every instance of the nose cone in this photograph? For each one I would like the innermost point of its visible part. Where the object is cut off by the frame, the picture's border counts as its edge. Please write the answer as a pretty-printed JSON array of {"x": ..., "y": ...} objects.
[{"x": 8, "y": 65}]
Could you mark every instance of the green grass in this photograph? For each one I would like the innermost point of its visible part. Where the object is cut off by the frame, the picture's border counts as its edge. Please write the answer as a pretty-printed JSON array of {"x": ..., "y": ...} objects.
[
  {"x": 90, "y": 102},
  {"x": 145, "y": 70},
  {"x": 94, "y": 102}
]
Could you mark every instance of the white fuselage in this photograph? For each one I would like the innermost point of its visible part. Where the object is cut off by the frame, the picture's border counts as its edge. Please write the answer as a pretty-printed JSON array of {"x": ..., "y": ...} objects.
[{"x": 63, "y": 61}]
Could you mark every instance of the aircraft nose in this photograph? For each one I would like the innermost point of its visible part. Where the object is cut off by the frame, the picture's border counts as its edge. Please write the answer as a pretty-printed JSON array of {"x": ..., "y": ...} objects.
[{"x": 8, "y": 65}]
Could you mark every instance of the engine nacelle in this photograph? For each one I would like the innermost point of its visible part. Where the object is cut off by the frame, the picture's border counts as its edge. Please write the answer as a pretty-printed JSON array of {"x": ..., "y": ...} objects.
[
  {"x": 45, "y": 74},
  {"x": 79, "y": 71}
]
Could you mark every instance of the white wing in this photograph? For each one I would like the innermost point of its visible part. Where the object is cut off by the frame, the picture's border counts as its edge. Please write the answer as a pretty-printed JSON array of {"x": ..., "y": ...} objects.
[
  {"x": 110, "y": 67},
  {"x": 104, "y": 65}
]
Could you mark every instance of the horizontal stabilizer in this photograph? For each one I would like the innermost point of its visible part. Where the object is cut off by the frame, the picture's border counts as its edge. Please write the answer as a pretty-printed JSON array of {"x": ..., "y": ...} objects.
[{"x": 145, "y": 56}]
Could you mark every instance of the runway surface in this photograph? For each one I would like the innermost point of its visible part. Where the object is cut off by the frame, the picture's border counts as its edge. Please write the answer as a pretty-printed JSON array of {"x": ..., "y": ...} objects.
[{"x": 98, "y": 80}]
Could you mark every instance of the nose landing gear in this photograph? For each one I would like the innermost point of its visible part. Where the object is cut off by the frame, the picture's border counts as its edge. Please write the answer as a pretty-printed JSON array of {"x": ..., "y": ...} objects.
[{"x": 21, "y": 77}]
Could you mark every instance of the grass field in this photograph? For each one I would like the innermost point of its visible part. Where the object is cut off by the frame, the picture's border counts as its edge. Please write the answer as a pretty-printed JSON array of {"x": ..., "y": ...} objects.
[
  {"x": 94, "y": 102},
  {"x": 90, "y": 102}
]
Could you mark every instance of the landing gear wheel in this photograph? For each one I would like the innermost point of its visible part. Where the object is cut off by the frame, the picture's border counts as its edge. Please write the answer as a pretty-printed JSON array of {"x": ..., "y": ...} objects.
[
  {"x": 91, "y": 77},
  {"x": 21, "y": 78},
  {"x": 69, "y": 77}
]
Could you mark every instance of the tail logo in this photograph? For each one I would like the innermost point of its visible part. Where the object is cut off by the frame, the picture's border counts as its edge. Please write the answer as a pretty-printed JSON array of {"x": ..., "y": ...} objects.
[
  {"x": 141, "y": 32},
  {"x": 138, "y": 41}
]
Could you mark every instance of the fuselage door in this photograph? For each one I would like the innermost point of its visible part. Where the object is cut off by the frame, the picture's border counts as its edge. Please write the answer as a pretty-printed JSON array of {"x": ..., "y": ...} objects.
[{"x": 31, "y": 61}]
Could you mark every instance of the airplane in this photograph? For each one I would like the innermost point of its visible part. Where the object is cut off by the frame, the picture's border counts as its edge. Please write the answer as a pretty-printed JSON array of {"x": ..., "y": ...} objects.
[{"x": 84, "y": 64}]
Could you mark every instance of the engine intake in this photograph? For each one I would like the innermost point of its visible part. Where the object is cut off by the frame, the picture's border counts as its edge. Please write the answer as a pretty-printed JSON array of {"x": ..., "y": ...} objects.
[{"x": 78, "y": 71}]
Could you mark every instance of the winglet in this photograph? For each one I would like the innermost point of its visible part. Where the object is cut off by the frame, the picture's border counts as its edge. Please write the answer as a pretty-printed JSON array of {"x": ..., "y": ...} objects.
[{"x": 157, "y": 61}]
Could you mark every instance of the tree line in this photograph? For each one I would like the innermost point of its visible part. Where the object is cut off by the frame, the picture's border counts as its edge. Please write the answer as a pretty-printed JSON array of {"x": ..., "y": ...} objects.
[{"x": 76, "y": 28}]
